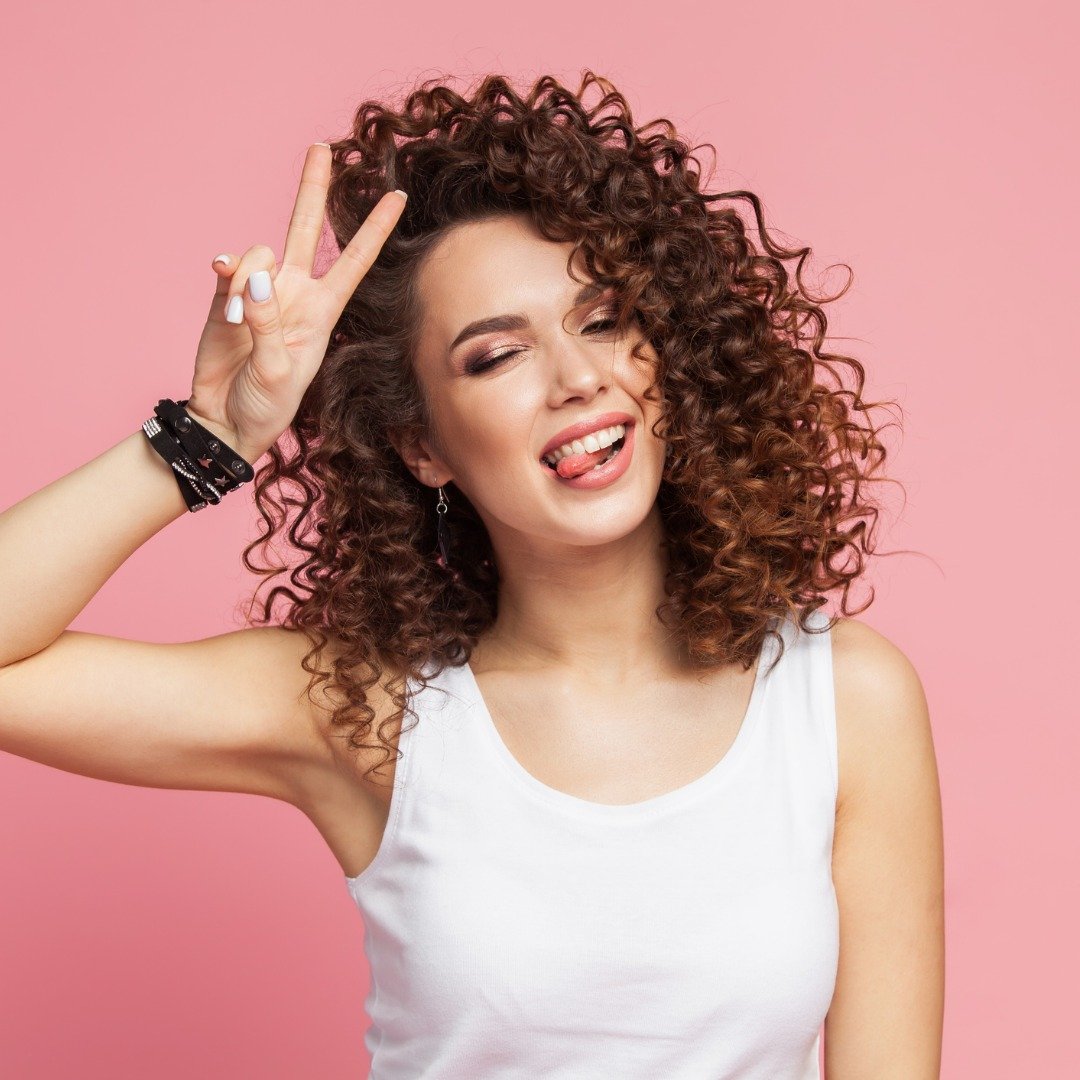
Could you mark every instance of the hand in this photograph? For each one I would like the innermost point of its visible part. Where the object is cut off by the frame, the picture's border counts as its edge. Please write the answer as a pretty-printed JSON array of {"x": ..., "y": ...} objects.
[{"x": 250, "y": 376}]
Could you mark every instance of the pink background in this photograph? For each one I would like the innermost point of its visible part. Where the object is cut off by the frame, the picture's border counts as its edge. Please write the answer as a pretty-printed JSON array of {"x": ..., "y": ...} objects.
[{"x": 171, "y": 934}]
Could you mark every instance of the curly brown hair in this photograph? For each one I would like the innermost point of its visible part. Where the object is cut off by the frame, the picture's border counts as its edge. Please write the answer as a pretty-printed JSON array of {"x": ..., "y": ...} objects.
[{"x": 762, "y": 496}]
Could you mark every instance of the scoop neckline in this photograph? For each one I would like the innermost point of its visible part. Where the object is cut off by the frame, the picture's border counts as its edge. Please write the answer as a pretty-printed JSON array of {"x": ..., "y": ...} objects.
[{"x": 643, "y": 807}]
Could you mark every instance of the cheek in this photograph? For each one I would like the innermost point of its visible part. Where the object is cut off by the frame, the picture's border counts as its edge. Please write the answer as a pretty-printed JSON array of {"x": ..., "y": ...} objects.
[
  {"x": 493, "y": 458},
  {"x": 493, "y": 435}
]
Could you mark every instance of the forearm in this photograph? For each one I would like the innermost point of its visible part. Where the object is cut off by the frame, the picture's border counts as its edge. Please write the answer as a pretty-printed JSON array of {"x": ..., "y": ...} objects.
[{"x": 59, "y": 545}]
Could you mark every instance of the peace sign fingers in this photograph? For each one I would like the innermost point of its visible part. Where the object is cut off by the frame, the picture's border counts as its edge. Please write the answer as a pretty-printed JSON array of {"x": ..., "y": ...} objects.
[
  {"x": 309, "y": 210},
  {"x": 342, "y": 279}
]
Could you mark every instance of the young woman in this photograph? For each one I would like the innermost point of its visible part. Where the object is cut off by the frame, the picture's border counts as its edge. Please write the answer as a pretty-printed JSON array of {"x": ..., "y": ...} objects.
[{"x": 570, "y": 483}]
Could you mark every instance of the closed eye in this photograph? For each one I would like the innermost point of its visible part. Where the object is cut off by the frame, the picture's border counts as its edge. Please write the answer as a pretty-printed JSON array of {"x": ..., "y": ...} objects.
[
  {"x": 599, "y": 322},
  {"x": 485, "y": 364}
]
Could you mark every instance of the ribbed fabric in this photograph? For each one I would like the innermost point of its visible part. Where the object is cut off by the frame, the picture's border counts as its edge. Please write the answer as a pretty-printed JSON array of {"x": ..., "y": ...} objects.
[{"x": 517, "y": 932}]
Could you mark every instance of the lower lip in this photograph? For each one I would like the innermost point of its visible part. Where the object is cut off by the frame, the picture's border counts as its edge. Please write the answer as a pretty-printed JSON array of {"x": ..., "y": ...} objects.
[{"x": 608, "y": 473}]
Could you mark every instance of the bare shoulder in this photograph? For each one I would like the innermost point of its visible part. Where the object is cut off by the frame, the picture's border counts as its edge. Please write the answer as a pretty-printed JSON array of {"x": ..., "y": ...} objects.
[
  {"x": 333, "y": 788},
  {"x": 881, "y": 708},
  {"x": 317, "y": 699},
  {"x": 325, "y": 695},
  {"x": 887, "y": 865}
]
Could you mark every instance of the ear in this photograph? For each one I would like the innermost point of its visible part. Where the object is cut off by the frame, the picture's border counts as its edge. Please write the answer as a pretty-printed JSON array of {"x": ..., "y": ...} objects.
[{"x": 422, "y": 460}]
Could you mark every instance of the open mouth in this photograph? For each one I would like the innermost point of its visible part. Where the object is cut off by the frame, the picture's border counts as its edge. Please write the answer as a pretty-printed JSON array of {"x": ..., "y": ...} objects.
[
  {"x": 612, "y": 450},
  {"x": 577, "y": 467}
]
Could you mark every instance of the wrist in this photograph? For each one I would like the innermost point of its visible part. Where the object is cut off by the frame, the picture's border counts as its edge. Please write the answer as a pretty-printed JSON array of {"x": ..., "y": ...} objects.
[{"x": 227, "y": 436}]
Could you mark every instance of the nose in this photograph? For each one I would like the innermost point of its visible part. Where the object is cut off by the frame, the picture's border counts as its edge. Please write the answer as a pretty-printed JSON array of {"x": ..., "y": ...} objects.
[{"x": 580, "y": 369}]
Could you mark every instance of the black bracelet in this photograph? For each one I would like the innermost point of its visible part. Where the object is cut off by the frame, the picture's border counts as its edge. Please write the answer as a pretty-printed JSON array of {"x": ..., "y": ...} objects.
[{"x": 206, "y": 468}]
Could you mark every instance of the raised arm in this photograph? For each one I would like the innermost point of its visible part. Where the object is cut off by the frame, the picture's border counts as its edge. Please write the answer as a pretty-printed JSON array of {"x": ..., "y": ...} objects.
[{"x": 228, "y": 712}]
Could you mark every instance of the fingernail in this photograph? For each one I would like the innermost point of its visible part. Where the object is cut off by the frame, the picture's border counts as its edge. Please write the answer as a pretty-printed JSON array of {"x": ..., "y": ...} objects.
[
  {"x": 326, "y": 144},
  {"x": 224, "y": 259},
  {"x": 401, "y": 193},
  {"x": 259, "y": 285},
  {"x": 235, "y": 311}
]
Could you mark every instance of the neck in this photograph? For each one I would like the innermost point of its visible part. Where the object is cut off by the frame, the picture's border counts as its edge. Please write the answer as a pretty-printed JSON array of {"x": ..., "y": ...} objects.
[{"x": 590, "y": 609}]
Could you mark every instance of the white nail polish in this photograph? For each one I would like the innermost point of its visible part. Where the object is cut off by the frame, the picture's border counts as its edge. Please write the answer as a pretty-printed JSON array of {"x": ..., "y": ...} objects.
[
  {"x": 259, "y": 285},
  {"x": 235, "y": 311},
  {"x": 223, "y": 259}
]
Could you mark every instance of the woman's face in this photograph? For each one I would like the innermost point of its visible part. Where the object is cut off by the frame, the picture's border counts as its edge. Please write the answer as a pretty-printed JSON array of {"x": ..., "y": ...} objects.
[{"x": 498, "y": 395}]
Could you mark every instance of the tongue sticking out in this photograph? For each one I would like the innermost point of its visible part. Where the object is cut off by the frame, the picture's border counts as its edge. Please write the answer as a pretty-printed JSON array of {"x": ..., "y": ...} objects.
[{"x": 576, "y": 464}]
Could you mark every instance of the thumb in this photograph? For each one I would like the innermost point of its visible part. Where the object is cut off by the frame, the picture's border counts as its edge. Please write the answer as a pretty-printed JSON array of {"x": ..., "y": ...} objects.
[{"x": 262, "y": 313}]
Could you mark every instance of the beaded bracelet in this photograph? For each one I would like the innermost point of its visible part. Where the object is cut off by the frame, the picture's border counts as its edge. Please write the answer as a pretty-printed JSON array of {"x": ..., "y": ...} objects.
[{"x": 205, "y": 467}]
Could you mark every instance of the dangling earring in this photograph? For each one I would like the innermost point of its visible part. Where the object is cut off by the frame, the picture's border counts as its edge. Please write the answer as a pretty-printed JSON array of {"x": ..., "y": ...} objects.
[{"x": 441, "y": 508}]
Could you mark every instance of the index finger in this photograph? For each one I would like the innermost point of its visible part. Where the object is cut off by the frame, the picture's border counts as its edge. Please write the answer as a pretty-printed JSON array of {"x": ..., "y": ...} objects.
[
  {"x": 361, "y": 251},
  {"x": 309, "y": 210}
]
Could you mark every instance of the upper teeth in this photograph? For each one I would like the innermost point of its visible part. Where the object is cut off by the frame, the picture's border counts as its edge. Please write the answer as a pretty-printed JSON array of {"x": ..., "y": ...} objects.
[{"x": 597, "y": 440}]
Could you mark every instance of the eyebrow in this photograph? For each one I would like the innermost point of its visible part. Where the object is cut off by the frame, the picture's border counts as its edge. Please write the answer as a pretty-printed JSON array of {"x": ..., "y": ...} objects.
[{"x": 495, "y": 323}]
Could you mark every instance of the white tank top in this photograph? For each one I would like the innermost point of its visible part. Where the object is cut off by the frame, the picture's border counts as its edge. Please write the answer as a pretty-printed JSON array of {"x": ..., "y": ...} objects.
[{"x": 517, "y": 932}]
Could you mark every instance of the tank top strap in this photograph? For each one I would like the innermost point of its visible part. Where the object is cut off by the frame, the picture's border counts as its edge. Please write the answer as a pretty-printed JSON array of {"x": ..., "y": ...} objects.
[
  {"x": 440, "y": 730},
  {"x": 810, "y": 686},
  {"x": 430, "y": 734},
  {"x": 823, "y": 694},
  {"x": 792, "y": 780}
]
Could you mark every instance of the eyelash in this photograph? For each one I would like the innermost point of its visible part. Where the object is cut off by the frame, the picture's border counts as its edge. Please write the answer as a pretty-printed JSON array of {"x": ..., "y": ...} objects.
[{"x": 486, "y": 364}]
